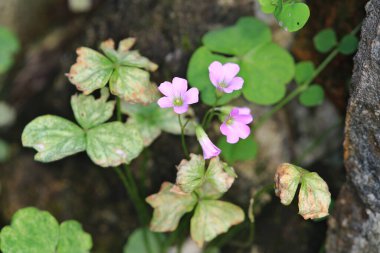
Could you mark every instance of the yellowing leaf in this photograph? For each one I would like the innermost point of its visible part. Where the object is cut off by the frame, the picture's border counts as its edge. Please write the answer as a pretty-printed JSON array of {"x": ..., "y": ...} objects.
[
  {"x": 90, "y": 112},
  {"x": 314, "y": 197},
  {"x": 190, "y": 173},
  {"x": 287, "y": 178},
  {"x": 212, "y": 218},
  {"x": 112, "y": 144},
  {"x": 53, "y": 137},
  {"x": 91, "y": 71},
  {"x": 169, "y": 204},
  {"x": 133, "y": 85}
]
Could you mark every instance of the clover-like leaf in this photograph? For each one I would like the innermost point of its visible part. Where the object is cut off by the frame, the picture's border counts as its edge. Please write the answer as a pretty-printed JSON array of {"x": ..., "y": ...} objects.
[
  {"x": 286, "y": 179},
  {"x": 72, "y": 238},
  {"x": 169, "y": 204},
  {"x": 242, "y": 151},
  {"x": 304, "y": 71},
  {"x": 9, "y": 45},
  {"x": 218, "y": 179},
  {"x": 112, "y": 144},
  {"x": 312, "y": 96},
  {"x": 247, "y": 34},
  {"x": 212, "y": 218},
  {"x": 293, "y": 16},
  {"x": 190, "y": 173},
  {"x": 151, "y": 120},
  {"x": 90, "y": 112},
  {"x": 133, "y": 85},
  {"x": 325, "y": 40},
  {"x": 267, "y": 6},
  {"x": 35, "y": 231},
  {"x": 53, "y": 137},
  {"x": 92, "y": 70},
  {"x": 314, "y": 197},
  {"x": 138, "y": 240},
  {"x": 266, "y": 71},
  {"x": 348, "y": 45}
]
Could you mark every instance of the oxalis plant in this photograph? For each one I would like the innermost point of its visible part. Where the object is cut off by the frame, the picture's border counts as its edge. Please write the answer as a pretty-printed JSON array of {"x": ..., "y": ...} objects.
[{"x": 240, "y": 59}]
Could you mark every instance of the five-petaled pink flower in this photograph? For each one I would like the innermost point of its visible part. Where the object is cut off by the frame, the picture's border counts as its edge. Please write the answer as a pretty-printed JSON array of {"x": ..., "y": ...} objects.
[
  {"x": 235, "y": 125},
  {"x": 224, "y": 78},
  {"x": 209, "y": 149},
  {"x": 177, "y": 95}
]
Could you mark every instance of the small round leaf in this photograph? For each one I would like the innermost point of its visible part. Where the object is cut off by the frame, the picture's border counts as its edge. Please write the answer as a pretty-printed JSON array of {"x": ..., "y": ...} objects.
[
  {"x": 293, "y": 16},
  {"x": 348, "y": 45},
  {"x": 304, "y": 71},
  {"x": 242, "y": 151},
  {"x": 312, "y": 96},
  {"x": 325, "y": 40}
]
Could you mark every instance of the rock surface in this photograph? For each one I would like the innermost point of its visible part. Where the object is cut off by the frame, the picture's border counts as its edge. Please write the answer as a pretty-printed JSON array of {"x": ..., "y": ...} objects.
[{"x": 355, "y": 226}]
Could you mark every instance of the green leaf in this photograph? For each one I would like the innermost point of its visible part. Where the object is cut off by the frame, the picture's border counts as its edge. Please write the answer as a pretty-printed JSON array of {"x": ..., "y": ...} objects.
[
  {"x": 218, "y": 179},
  {"x": 325, "y": 40},
  {"x": 112, "y": 144},
  {"x": 209, "y": 96},
  {"x": 137, "y": 243},
  {"x": 53, "y": 137},
  {"x": 72, "y": 238},
  {"x": 4, "y": 151},
  {"x": 197, "y": 71},
  {"x": 244, "y": 150},
  {"x": 267, "y": 6},
  {"x": 212, "y": 218},
  {"x": 169, "y": 204},
  {"x": 35, "y": 231},
  {"x": 314, "y": 198},
  {"x": 31, "y": 231},
  {"x": 92, "y": 70},
  {"x": 293, "y": 16},
  {"x": 286, "y": 179},
  {"x": 133, "y": 85},
  {"x": 90, "y": 112},
  {"x": 304, "y": 71},
  {"x": 348, "y": 45},
  {"x": 190, "y": 173},
  {"x": 9, "y": 45},
  {"x": 8, "y": 114},
  {"x": 246, "y": 34},
  {"x": 266, "y": 71},
  {"x": 150, "y": 120},
  {"x": 312, "y": 96}
]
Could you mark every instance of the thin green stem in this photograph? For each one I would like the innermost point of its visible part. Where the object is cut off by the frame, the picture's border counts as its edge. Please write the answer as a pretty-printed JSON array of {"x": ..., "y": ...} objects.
[
  {"x": 183, "y": 141},
  {"x": 118, "y": 109}
]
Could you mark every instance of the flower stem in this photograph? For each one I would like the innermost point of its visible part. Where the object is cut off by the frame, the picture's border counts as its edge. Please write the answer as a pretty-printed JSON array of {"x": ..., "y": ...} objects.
[{"x": 183, "y": 141}]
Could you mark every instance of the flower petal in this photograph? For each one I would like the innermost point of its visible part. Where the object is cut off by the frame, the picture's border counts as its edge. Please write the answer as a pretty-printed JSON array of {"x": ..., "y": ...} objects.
[
  {"x": 179, "y": 86},
  {"x": 181, "y": 109},
  {"x": 244, "y": 119},
  {"x": 165, "y": 102},
  {"x": 216, "y": 73},
  {"x": 166, "y": 88},
  {"x": 191, "y": 96},
  {"x": 236, "y": 83},
  {"x": 244, "y": 110},
  {"x": 230, "y": 71},
  {"x": 229, "y": 132},
  {"x": 241, "y": 129}
]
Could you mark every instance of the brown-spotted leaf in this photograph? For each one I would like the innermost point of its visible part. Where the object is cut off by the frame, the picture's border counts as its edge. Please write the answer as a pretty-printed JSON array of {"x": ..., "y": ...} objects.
[
  {"x": 286, "y": 179},
  {"x": 169, "y": 204},
  {"x": 112, "y": 144},
  {"x": 90, "y": 112},
  {"x": 91, "y": 71},
  {"x": 212, "y": 218},
  {"x": 190, "y": 173},
  {"x": 218, "y": 179},
  {"x": 133, "y": 85},
  {"x": 314, "y": 197}
]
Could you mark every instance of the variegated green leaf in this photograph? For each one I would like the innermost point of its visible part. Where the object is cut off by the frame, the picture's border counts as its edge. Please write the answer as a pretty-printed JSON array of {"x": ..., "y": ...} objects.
[
  {"x": 190, "y": 173},
  {"x": 169, "y": 204},
  {"x": 212, "y": 218},
  {"x": 72, "y": 238},
  {"x": 112, "y": 144},
  {"x": 314, "y": 197},
  {"x": 133, "y": 85},
  {"x": 287, "y": 178},
  {"x": 53, "y": 137},
  {"x": 90, "y": 112},
  {"x": 218, "y": 179},
  {"x": 92, "y": 70}
]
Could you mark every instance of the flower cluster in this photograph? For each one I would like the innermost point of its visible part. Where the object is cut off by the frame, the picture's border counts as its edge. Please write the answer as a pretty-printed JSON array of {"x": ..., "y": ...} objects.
[{"x": 224, "y": 78}]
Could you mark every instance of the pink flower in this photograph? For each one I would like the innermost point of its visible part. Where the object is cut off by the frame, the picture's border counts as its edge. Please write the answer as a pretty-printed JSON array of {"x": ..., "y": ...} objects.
[
  {"x": 209, "y": 149},
  {"x": 235, "y": 125},
  {"x": 224, "y": 78},
  {"x": 177, "y": 95}
]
